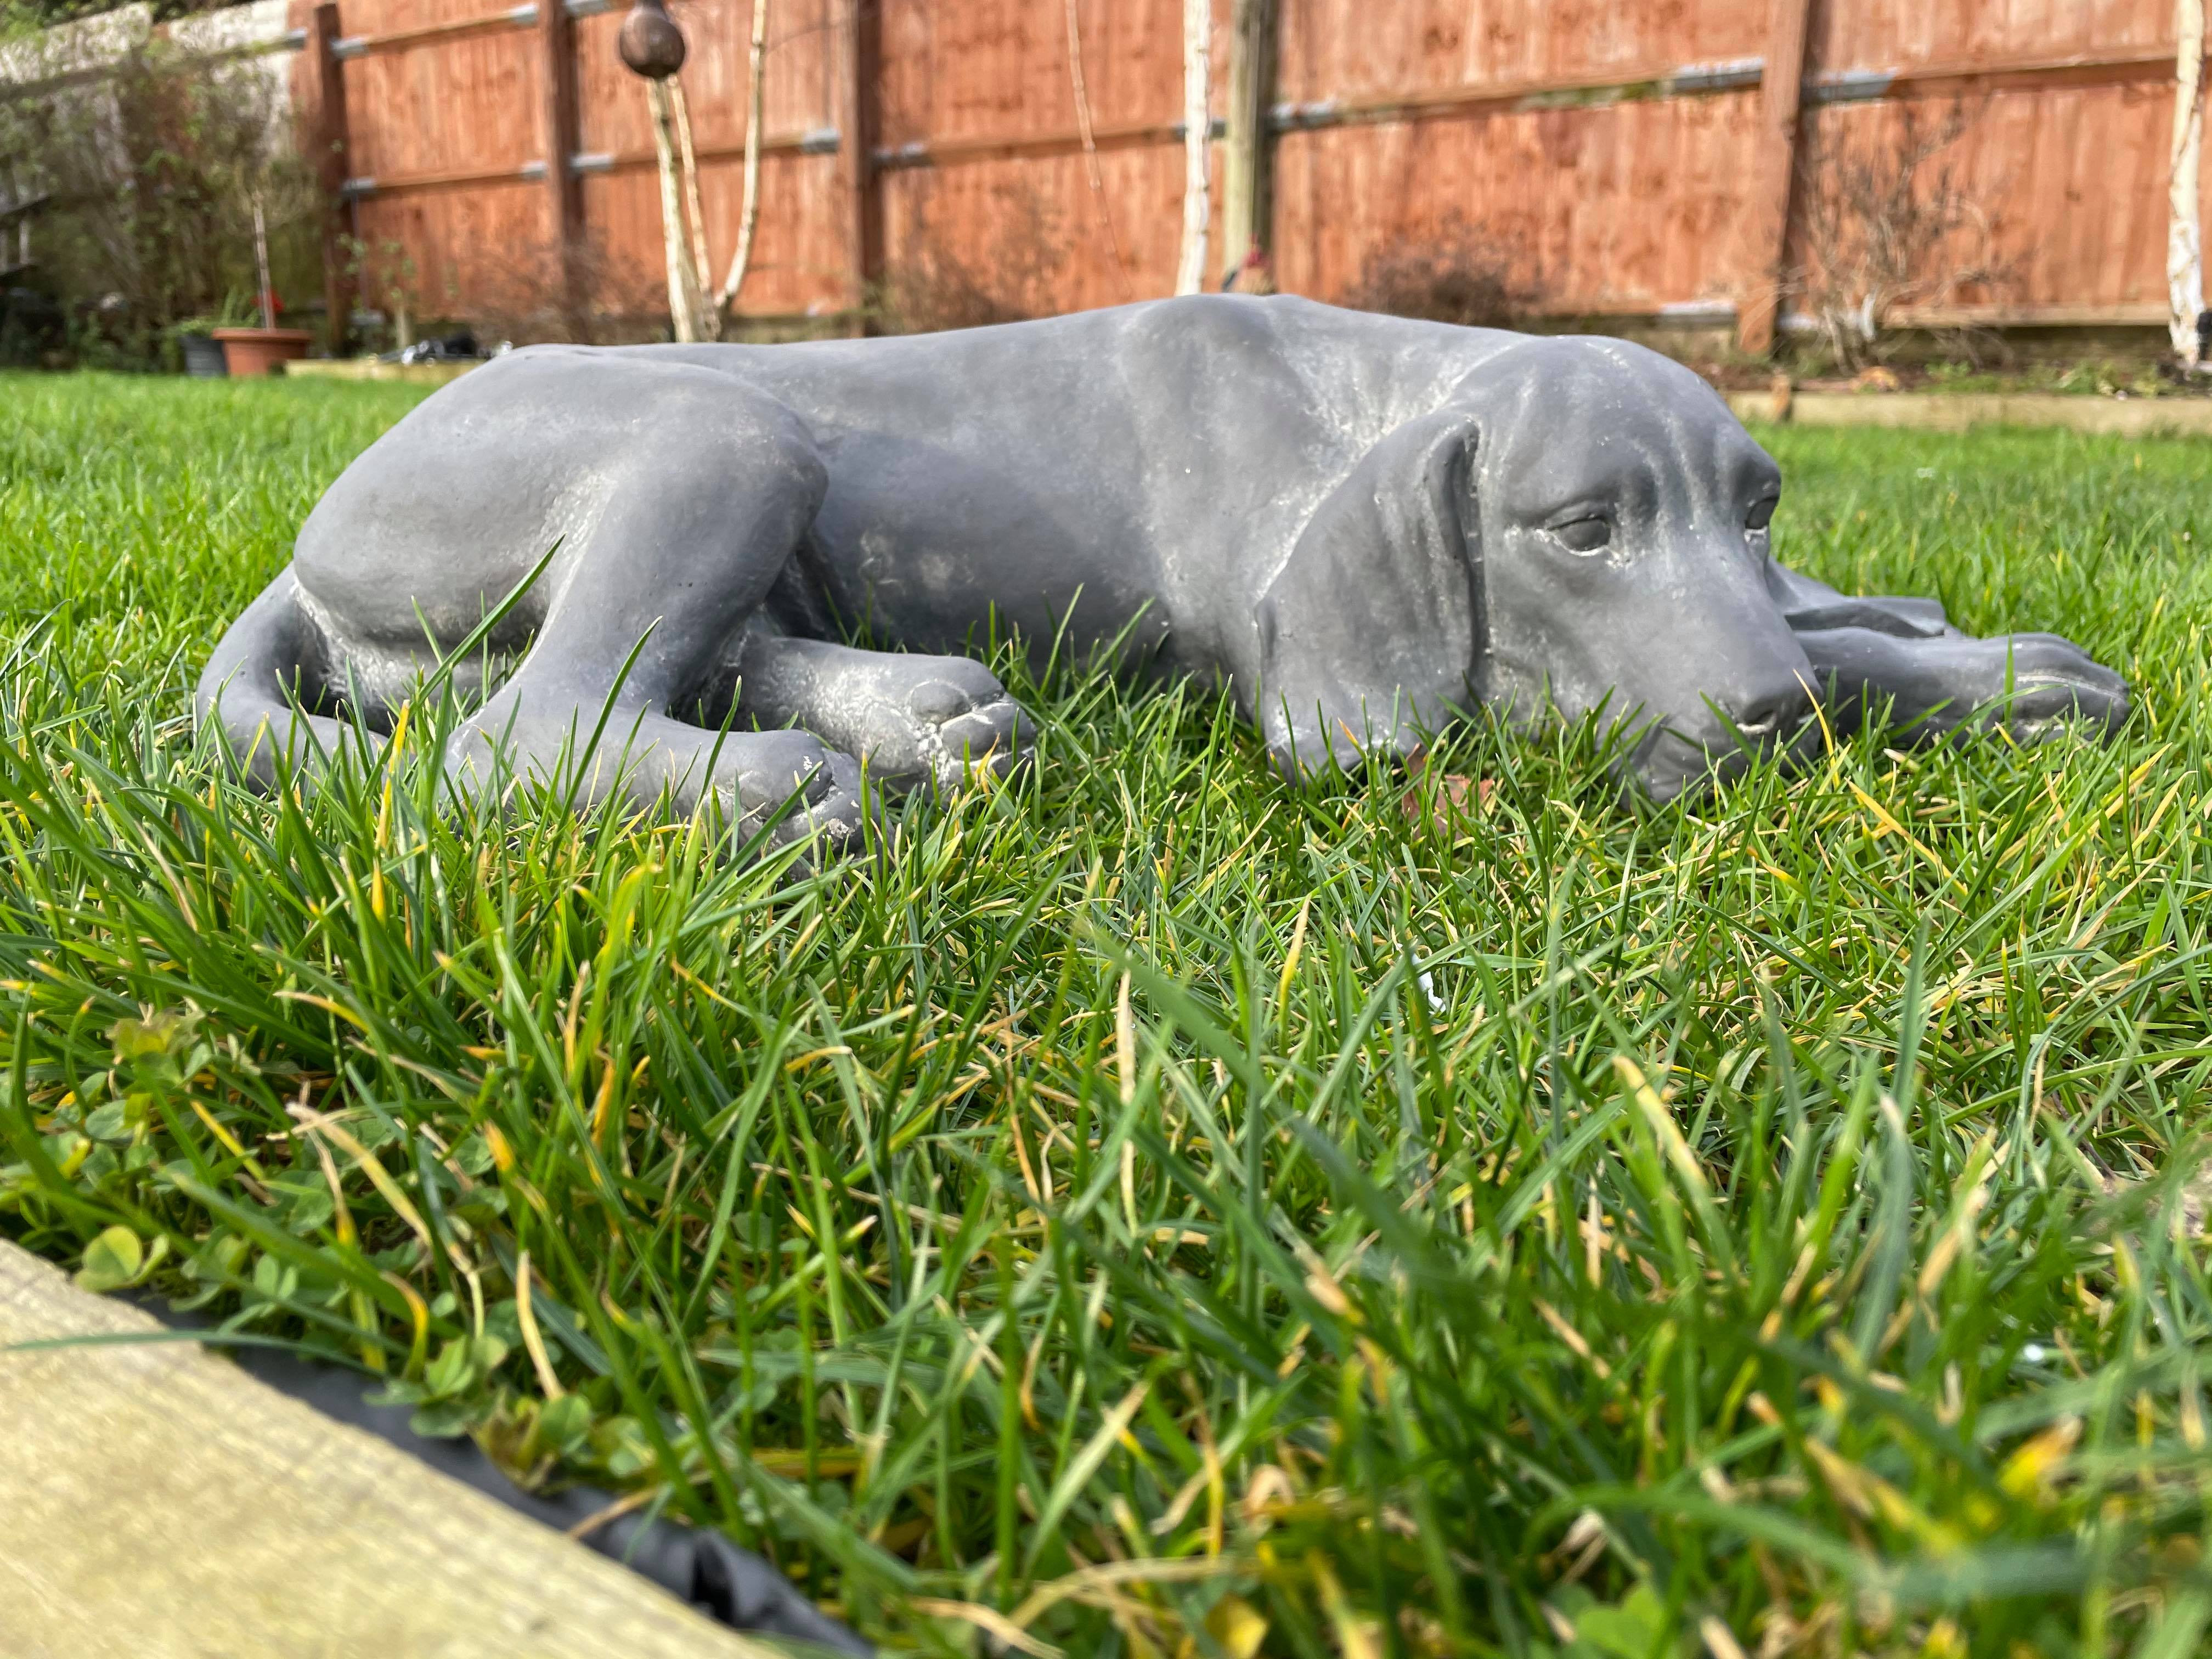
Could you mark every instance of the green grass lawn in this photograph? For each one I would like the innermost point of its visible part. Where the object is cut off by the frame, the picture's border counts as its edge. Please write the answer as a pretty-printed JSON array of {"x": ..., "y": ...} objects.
[{"x": 1149, "y": 1210}]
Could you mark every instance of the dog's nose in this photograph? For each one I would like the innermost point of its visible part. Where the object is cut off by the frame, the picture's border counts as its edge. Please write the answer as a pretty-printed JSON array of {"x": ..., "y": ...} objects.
[{"x": 1773, "y": 712}]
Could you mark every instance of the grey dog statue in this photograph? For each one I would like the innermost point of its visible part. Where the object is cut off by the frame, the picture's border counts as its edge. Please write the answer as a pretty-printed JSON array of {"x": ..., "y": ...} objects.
[{"x": 1363, "y": 525}]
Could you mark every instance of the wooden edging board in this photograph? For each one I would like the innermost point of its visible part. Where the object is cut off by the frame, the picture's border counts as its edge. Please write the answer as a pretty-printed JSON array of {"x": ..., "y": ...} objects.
[
  {"x": 367, "y": 368},
  {"x": 2130, "y": 417},
  {"x": 2126, "y": 417},
  {"x": 156, "y": 1502}
]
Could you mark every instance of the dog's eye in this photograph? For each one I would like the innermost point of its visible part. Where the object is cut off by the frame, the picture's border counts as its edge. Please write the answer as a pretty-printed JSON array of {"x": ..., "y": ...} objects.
[
  {"x": 1584, "y": 535},
  {"x": 1761, "y": 515}
]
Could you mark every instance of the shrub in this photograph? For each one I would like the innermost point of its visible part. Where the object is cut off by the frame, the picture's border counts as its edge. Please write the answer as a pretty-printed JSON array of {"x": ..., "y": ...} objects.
[
  {"x": 1007, "y": 278},
  {"x": 1891, "y": 221},
  {"x": 151, "y": 164},
  {"x": 1457, "y": 273},
  {"x": 524, "y": 296}
]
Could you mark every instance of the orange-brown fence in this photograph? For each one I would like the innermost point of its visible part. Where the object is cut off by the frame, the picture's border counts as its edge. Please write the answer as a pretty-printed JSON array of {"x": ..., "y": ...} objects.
[{"x": 1633, "y": 158}]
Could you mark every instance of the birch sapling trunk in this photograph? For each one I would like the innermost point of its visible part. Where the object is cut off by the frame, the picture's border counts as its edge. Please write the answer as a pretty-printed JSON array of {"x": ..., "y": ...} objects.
[
  {"x": 1197, "y": 131},
  {"x": 683, "y": 298},
  {"x": 2184, "y": 237},
  {"x": 748, "y": 216},
  {"x": 702, "y": 267},
  {"x": 265, "y": 296}
]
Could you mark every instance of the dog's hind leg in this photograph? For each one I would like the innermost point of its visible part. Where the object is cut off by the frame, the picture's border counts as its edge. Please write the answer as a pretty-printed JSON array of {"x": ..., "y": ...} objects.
[
  {"x": 264, "y": 685},
  {"x": 701, "y": 489}
]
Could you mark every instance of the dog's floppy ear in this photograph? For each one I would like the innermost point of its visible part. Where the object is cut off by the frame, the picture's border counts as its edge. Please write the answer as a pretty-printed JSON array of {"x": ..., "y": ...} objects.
[{"x": 1371, "y": 630}]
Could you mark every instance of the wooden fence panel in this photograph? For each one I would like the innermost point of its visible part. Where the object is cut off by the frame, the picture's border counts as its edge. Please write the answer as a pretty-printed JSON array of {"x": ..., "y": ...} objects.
[
  {"x": 798, "y": 256},
  {"x": 1879, "y": 34},
  {"x": 446, "y": 125},
  {"x": 1032, "y": 233},
  {"x": 1000, "y": 69},
  {"x": 985, "y": 183},
  {"x": 1604, "y": 147},
  {"x": 1623, "y": 208},
  {"x": 1601, "y": 197},
  {"x": 1355, "y": 49},
  {"x": 801, "y": 95},
  {"x": 2068, "y": 184},
  {"x": 468, "y": 105}
]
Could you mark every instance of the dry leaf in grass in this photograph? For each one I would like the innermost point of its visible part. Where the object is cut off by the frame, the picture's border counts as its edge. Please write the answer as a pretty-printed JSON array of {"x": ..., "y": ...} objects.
[
  {"x": 1442, "y": 796},
  {"x": 2196, "y": 1199}
]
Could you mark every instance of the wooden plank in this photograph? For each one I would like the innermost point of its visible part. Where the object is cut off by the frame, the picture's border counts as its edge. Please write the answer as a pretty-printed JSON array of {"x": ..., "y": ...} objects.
[
  {"x": 454, "y": 179},
  {"x": 1775, "y": 187},
  {"x": 1027, "y": 146},
  {"x": 564, "y": 191},
  {"x": 331, "y": 138},
  {"x": 1953, "y": 77},
  {"x": 157, "y": 1503},
  {"x": 774, "y": 144},
  {"x": 2136, "y": 417},
  {"x": 453, "y": 28},
  {"x": 371, "y": 369},
  {"x": 1656, "y": 81},
  {"x": 2139, "y": 314}
]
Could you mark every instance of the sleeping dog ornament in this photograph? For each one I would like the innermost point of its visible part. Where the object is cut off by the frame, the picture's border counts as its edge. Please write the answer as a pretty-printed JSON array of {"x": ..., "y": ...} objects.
[{"x": 1363, "y": 526}]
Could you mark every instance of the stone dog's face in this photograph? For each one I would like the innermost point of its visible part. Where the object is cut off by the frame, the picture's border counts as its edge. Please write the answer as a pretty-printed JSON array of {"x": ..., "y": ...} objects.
[{"x": 1622, "y": 544}]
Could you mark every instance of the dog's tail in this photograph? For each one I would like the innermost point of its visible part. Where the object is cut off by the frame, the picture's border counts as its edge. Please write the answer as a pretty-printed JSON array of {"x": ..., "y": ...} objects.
[{"x": 264, "y": 687}]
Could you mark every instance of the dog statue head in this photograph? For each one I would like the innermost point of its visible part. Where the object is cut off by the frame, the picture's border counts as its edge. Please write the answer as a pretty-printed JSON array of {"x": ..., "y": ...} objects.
[{"x": 1579, "y": 529}]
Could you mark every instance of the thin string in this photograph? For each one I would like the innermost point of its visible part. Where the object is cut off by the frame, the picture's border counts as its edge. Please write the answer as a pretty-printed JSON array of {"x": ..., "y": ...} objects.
[{"x": 1091, "y": 153}]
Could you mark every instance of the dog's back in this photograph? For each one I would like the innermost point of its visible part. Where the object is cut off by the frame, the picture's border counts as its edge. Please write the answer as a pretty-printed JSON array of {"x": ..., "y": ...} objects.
[{"x": 1078, "y": 469}]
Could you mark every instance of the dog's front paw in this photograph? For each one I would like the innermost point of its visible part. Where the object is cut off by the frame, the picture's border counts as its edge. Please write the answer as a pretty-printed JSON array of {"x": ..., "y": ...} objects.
[
  {"x": 2054, "y": 683},
  {"x": 2035, "y": 686},
  {"x": 913, "y": 720},
  {"x": 831, "y": 813},
  {"x": 790, "y": 785},
  {"x": 981, "y": 738},
  {"x": 945, "y": 722}
]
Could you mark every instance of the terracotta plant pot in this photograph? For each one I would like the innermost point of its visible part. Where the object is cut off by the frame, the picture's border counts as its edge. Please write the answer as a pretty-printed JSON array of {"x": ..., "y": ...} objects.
[{"x": 262, "y": 350}]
